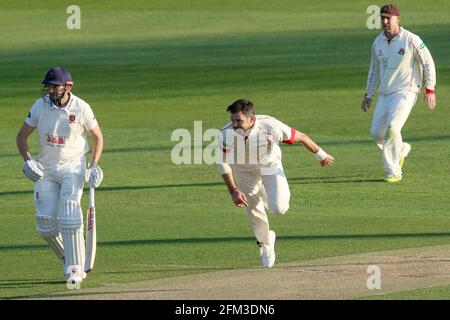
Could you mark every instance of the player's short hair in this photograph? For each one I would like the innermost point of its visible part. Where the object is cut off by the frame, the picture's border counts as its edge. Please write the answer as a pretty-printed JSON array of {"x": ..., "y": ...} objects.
[{"x": 242, "y": 105}]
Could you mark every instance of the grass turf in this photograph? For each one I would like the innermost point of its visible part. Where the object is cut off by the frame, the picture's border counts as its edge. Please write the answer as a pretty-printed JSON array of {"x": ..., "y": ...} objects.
[{"x": 150, "y": 68}]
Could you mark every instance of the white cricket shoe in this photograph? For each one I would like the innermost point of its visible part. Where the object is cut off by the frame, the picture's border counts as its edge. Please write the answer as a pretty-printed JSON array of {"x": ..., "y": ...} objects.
[
  {"x": 267, "y": 251},
  {"x": 75, "y": 277},
  {"x": 67, "y": 272},
  {"x": 406, "y": 151}
]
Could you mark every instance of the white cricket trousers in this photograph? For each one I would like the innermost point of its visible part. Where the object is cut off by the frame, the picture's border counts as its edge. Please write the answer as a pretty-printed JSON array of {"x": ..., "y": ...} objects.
[
  {"x": 59, "y": 219},
  {"x": 391, "y": 113},
  {"x": 263, "y": 191}
]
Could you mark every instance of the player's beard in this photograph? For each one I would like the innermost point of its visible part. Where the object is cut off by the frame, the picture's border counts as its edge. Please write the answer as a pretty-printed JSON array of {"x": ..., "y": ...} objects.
[{"x": 55, "y": 98}]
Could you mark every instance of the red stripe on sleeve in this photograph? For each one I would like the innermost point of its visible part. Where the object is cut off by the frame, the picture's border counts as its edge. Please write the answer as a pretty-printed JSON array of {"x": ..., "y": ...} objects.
[
  {"x": 292, "y": 139},
  {"x": 428, "y": 91}
]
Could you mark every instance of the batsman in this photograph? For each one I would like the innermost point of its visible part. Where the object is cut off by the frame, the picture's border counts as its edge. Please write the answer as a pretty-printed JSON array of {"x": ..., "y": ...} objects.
[{"x": 59, "y": 172}]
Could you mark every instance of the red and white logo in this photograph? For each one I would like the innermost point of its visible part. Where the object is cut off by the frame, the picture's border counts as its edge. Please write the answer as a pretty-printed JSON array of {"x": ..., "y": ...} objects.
[
  {"x": 56, "y": 141},
  {"x": 72, "y": 118},
  {"x": 90, "y": 218}
]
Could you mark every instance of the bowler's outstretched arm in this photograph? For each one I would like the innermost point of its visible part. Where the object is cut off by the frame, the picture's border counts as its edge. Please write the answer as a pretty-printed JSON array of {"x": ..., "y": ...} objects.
[{"x": 325, "y": 159}]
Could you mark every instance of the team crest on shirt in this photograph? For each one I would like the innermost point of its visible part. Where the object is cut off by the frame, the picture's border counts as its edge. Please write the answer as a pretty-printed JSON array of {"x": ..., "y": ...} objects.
[
  {"x": 72, "y": 118},
  {"x": 401, "y": 51}
]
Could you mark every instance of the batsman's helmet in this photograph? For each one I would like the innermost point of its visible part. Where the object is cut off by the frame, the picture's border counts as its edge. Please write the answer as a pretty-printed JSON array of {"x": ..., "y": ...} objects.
[{"x": 57, "y": 76}]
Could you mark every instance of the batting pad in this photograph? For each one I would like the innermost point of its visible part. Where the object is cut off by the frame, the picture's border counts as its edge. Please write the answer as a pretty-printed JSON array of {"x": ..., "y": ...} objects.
[
  {"x": 56, "y": 243},
  {"x": 48, "y": 230},
  {"x": 71, "y": 225}
]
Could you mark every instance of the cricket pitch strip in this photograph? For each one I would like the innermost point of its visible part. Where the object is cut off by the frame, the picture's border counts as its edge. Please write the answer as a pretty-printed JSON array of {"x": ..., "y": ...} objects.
[{"x": 342, "y": 277}]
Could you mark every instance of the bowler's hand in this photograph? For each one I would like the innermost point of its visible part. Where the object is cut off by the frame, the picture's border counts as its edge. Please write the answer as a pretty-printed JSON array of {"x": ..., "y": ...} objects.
[
  {"x": 365, "y": 104},
  {"x": 328, "y": 161},
  {"x": 430, "y": 100},
  {"x": 239, "y": 198}
]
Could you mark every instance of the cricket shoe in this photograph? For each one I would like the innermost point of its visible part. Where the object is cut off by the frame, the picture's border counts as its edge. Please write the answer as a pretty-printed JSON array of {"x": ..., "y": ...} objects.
[
  {"x": 267, "y": 251},
  {"x": 67, "y": 272},
  {"x": 392, "y": 179},
  {"x": 67, "y": 275},
  {"x": 75, "y": 277},
  {"x": 407, "y": 150}
]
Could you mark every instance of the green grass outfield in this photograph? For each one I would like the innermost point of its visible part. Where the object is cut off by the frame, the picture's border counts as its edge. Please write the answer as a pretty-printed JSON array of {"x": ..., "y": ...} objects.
[
  {"x": 434, "y": 293},
  {"x": 150, "y": 68}
]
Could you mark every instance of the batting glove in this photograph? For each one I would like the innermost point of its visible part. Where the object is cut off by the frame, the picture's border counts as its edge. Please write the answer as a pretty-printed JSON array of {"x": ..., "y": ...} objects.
[
  {"x": 94, "y": 174},
  {"x": 33, "y": 170}
]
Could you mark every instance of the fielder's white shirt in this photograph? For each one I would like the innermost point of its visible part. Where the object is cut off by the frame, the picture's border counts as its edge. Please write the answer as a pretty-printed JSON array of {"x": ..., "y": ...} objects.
[
  {"x": 257, "y": 149},
  {"x": 62, "y": 131},
  {"x": 400, "y": 64}
]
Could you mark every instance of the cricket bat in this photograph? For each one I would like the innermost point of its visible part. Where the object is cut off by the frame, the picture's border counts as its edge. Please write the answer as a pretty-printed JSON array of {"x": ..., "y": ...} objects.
[{"x": 91, "y": 235}]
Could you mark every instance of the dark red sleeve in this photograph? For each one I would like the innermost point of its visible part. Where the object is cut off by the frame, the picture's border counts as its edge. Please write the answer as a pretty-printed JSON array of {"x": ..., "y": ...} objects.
[{"x": 292, "y": 139}]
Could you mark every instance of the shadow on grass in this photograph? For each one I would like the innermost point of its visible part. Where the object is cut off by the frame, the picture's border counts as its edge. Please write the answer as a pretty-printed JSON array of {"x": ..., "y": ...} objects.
[
  {"x": 122, "y": 188},
  {"x": 150, "y": 242},
  {"x": 22, "y": 283},
  {"x": 324, "y": 143},
  {"x": 330, "y": 181},
  {"x": 87, "y": 294},
  {"x": 206, "y": 184}
]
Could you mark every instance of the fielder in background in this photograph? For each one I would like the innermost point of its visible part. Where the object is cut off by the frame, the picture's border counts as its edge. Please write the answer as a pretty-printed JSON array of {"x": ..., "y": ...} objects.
[
  {"x": 400, "y": 60},
  {"x": 59, "y": 172},
  {"x": 250, "y": 155}
]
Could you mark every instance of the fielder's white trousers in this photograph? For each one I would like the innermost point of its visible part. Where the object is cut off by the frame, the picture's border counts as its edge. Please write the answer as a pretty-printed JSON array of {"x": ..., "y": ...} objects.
[
  {"x": 59, "y": 219},
  {"x": 391, "y": 113},
  {"x": 263, "y": 191}
]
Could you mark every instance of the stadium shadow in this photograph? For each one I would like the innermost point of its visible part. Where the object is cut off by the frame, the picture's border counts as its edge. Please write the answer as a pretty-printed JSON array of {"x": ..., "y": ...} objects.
[
  {"x": 21, "y": 283},
  {"x": 300, "y": 238},
  {"x": 16, "y": 193},
  {"x": 205, "y": 184},
  {"x": 329, "y": 180},
  {"x": 238, "y": 239},
  {"x": 370, "y": 141},
  {"x": 325, "y": 143},
  {"x": 113, "y": 150},
  {"x": 62, "y": 295},
  {"x": 120, "y": 188},
  {"x": 161, "y": 186}
]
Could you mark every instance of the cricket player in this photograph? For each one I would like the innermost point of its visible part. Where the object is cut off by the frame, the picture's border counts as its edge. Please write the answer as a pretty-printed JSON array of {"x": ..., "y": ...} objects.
[
  {"x": 250, "y": 164},
  {"x": 59, "y": 172},
  {"x": 400, "y": 61}
]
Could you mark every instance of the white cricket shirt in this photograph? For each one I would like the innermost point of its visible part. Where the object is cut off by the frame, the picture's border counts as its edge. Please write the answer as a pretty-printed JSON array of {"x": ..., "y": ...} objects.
[
  {"x": 400, "y": 64},
  {"x": 62, "y": 131},
  {"x": 257, "y": 149}
]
